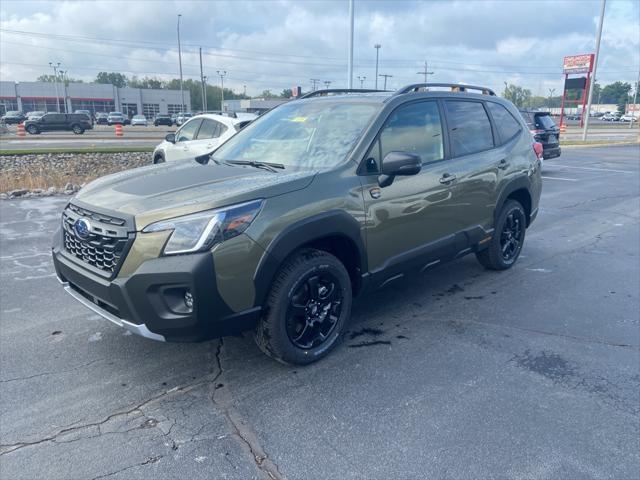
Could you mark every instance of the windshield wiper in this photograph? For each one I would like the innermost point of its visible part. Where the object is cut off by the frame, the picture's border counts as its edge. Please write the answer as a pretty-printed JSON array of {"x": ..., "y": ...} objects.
[{"x": 266, "y": 165}]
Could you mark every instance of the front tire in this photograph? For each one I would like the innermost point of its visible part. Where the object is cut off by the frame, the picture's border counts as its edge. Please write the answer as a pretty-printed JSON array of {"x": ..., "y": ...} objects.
[
  {"x": 77, "y": 129},
  {"x": 32, "y": 130},
  {"x": 508, "y": 238},
  {"x": 159, "y": 158},
  {"x": 307, "y": 308}
]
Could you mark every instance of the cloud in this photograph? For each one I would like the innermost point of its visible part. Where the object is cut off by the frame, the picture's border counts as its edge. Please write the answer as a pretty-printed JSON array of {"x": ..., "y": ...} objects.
[{"x": 278, "y": 44}]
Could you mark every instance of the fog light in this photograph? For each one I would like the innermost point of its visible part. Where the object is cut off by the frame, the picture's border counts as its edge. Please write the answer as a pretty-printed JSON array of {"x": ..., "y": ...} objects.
[{"x": 188, "y": 300}]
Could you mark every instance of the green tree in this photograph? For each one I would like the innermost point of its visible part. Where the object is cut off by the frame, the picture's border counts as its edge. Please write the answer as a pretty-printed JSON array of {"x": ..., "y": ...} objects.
[
  {"x": 617, "y": 92},
  {"x": 267, "y": 94},
  {"x": 113, "y": 78},
  {"x": 519, "y": 96},
  {"x": 286, "y": 93},
  {"x": 146, "y": 82},
  {"x": 51, "y": 78}
]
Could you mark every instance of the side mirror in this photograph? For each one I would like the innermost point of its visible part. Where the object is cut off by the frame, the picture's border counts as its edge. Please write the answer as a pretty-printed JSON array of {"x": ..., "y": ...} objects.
[
  {"x": 398, "y": 163},
  {"x": 170, "y": 137}
]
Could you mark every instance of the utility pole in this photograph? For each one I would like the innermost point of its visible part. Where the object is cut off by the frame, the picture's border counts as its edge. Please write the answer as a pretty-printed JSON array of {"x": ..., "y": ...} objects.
[
  {"x": 64, "y": 89},
  {"x": 55, "y": 67},
  {"x": 595, "y": 67},
  {"x": 385, "y": 79},
  {"x": 551, "y": 92},
  {"x": 327, "y": 83},
  {"x": 222, "y": 74},
  {"x": 204, "y": 83},
  {"x": 362, "y": 79},
  {"x": 377, "y": 47},
  {"x": 180, "y": 62},
  {"x": 244, "y": 90},
  {"x": 426, "y": 72},
  {"x": 314, "y": 83},
  {"x": 204, "y": 92},
  {"x": 350, "y": 62}
]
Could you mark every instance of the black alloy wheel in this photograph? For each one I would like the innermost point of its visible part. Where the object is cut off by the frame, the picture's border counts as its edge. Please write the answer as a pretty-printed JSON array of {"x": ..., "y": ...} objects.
[
  {"x": 505, "y": 246},
  {"x": 314, "y": 309},
  {"x": 511, "y": 236}
]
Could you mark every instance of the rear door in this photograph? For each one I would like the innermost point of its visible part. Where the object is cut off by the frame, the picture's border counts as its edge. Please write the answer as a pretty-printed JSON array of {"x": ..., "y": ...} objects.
[
  {"x": 54, "y": 121},
  {"x": 474, "y": 166},
  {"x": 208, "y": 137}
]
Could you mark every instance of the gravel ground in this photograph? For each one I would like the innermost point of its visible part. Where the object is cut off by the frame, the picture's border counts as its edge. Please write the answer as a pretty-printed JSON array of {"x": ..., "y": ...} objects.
[{"x": 37, "y": 174}]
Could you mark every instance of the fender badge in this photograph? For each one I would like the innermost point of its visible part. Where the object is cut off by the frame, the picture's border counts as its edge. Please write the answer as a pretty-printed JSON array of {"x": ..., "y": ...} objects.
[{"x": 375, "y": 192}]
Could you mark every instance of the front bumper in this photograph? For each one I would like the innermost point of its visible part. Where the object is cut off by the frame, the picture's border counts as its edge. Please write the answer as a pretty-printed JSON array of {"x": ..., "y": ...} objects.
[{"x": 150, "y": 301}]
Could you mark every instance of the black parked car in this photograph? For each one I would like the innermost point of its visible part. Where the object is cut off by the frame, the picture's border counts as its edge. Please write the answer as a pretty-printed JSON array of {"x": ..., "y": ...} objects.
[
  {"x": 13, "y": 117},
  {"x": 544, "y": 130},
  {"x": 74, "y": 122},
  {"x": 163, "y": 120}
]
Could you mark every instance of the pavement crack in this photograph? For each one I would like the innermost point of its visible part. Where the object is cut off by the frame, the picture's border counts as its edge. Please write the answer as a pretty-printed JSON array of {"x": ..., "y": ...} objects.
[
  {"x": 148, "y": 461},
  {"x": 221, "y": 398},
  {"x": 5, "y": 449},
  {"x": 43, "y": 374}
]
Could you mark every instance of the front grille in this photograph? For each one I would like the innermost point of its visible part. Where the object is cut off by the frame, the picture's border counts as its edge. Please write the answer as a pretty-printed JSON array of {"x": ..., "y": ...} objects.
[{"x": 106, "y": 244}]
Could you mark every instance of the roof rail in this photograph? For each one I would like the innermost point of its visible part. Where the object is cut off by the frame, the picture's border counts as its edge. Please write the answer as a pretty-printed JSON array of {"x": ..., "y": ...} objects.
[
  {"x": 329, "y": 91},
  {"x": 455, "y": 87}
]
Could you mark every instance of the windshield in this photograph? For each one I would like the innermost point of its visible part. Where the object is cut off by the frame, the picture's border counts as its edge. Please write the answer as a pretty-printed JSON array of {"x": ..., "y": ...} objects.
[{"x": 301, "y": 134}]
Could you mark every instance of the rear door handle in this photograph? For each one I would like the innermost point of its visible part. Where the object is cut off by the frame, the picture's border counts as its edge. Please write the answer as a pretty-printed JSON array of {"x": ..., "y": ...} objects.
[
  {"x": 447, "y": 178},
  {"x": 503, "y": 164}
]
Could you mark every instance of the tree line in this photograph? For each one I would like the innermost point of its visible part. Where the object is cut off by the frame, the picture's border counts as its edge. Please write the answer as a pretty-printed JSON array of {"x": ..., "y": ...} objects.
[{"x": 618, "y": 93}]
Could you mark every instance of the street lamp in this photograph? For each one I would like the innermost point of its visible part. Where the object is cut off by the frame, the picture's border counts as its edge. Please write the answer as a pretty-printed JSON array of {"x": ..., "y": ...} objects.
[
  {"x": 55, "y": 67},
  {"x": 551, "y": 92},
  {"x": 222, "y": 74},
  {"x": 63, "y": 77},
  {"x": 362, "y": 79},
  {"x": 204, "y": 83},
  {"x": 377, "y": 47},
  {"x": 180, "y": 63}
]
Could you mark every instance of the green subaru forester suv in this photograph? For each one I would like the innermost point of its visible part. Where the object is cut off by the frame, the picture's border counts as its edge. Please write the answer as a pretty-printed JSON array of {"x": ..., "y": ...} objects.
[{"x": 318, "y": 201}]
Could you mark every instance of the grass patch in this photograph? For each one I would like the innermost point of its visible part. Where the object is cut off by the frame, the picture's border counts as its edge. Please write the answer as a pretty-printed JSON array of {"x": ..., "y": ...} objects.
[
  {"x": 577, "y": 143},
  {"x": 35, "y": 151}
]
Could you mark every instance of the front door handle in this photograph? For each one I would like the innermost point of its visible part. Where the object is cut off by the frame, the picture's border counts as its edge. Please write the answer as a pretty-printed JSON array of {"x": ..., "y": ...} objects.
[
  {"x": 503, "y": 164},
  {"x": 447, "y": 178}
]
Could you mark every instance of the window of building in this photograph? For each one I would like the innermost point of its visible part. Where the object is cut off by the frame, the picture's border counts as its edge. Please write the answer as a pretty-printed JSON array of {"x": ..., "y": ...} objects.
[
  {"x": 506, "y": 125},
  {"x": 150, "y": 110},
  {"x": 173, "y": 108},
  {"x": 8, "y": 105},
  {"x": 93, "y": 105},
  {"x": 469, "y": 127},
  {"x": 414, "y": 128},
  {"x": 130, "y": 109},
  {"x": 43, "y": 104}
]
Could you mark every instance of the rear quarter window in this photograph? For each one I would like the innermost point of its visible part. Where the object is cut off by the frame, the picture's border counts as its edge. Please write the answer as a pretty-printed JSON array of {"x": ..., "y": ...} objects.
[
  {"x": 507, "y": 126},
  {"x": 545, "y": 122}
]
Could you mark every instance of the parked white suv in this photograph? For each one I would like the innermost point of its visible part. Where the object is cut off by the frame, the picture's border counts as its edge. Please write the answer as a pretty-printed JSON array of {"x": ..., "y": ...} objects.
[
  {"x": 198, "y": 136},
  {"x": 628, "y": 117}
]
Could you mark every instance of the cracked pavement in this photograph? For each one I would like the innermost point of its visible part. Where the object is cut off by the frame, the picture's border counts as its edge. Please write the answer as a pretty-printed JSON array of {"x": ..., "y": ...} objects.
[{"x": 461, "y": 373}]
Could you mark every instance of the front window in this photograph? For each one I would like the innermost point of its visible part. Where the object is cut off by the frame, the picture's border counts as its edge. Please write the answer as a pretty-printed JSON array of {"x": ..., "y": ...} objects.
[
  {"x": 188, "y": 131},
  {"x": 301, "y": 134}
]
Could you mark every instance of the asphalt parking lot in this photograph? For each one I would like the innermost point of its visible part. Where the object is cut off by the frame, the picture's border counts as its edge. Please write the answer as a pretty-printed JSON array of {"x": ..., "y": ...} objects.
[{"x": 463, "y": 373}]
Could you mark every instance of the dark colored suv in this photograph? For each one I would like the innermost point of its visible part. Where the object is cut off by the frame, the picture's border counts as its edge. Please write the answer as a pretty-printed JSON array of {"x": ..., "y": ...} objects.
[
  {"x": 322, "y": 199},
  {"x": 163, "y": 120},
  {"x": 74, "y": 122},
  {"x": 544, "y": 130}
]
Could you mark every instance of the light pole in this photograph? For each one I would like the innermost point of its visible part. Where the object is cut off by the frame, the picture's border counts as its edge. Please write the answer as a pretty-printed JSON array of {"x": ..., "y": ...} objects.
[
  {"x": 222, "y": 74},
  {"x": 180, "y": 63},
  {"x": 635, "y": 97},
  {"x": 327, "y": 83},
  {"x": 64, "y": 88},
  {"x": 551, "y": 92},
  {"x": 377, "y": 47},
  {"x": 350, "y": 62},
  {"x": 595, "y": 67},
  {"x": 204, "y": 92},
  {"x": 204, "y": 82},
  {"x": 244, "y": 90},
  {"x": 385, "y": 79},
  {"x": 362, "y": 79},
  {"x": 314, "y": 83},
  {"x": 55, "y": 67}
]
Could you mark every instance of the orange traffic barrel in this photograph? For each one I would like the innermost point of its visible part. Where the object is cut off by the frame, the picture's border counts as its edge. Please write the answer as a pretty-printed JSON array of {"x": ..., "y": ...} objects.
[
  {"x": 563, "y": 128},
  {"x": 20, "y": 130},
  {"x": 118, "y": 130}
]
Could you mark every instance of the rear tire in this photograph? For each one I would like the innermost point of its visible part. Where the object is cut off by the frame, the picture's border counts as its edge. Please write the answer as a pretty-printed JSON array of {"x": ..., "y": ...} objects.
[
  {"x": 32, "y": 130},
  {"x": 77, "y": 129},
  {"x": 307, "y": 308},
  {"x": 508, "y": 238}
]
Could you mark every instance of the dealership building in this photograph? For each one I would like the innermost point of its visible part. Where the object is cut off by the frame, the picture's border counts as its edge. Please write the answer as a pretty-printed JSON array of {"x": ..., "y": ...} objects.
[{"x": 95, "y": 97}]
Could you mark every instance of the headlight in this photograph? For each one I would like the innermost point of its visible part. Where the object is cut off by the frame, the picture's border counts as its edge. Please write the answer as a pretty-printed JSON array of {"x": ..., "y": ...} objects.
[{"x": 201, "y": 231}]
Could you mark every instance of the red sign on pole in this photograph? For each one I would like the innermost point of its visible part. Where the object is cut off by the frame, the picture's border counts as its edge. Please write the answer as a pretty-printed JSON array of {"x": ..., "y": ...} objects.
[{"x": 578, "y": 64}]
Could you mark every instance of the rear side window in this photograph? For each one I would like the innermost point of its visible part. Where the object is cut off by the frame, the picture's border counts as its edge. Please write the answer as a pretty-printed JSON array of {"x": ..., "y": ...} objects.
[
  {"x": 469, "y": 127},
  {"x": 54, "y": 118},
  {"x": 507, "y": 126},
  {"x": 414, "y": 128},
  {"x": 545, "y": 122}
]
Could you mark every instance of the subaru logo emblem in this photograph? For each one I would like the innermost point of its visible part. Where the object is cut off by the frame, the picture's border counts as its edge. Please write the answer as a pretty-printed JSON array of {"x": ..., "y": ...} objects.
[{"x": 82, "y": 228}]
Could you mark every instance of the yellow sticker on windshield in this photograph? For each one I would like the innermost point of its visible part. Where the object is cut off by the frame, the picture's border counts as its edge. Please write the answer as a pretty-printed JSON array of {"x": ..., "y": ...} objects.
[{"x": 299, "y": 119}]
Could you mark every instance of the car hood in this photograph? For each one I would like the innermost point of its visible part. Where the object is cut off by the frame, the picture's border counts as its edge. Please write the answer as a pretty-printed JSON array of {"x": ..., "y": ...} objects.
[{"x": 171, "y": 189}]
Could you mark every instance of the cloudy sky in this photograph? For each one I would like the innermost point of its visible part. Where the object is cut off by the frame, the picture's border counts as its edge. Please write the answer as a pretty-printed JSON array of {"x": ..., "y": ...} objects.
[{"x": 277, "y": 44}]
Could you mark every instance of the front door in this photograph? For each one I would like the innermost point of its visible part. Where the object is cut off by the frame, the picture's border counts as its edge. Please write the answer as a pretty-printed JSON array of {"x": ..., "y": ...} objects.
[
  {"x": 409, "y": 222},
  {"x": 184, "y": 136}
]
